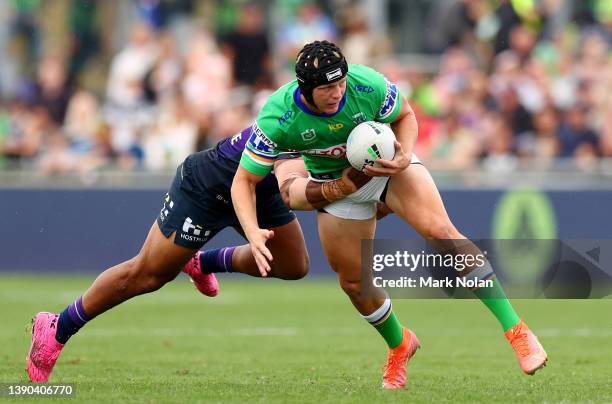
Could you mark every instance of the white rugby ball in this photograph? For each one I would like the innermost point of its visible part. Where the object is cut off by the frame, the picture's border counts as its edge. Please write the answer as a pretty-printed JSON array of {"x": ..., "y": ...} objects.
[{"x": 368, "y": 142}]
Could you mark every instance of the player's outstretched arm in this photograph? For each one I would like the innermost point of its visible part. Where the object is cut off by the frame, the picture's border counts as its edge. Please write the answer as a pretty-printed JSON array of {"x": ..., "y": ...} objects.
[
  {"x": 244, "y": 199},
  {"x": 301, "y": 193}
]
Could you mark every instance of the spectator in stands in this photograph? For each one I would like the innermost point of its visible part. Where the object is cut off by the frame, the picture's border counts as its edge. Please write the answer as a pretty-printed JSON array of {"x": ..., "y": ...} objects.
[
  {"x": 129, "y": 67},
  {"x": 576, "y": 137},
  {"x": 499, "y": 155},
  {"x": 25, "y": 136},
  {"x": 207, "y": 72},
  {"x": 172, "y": 138},
  {"x": 456, "y": 146},
  {"x": 80, "y": 146},
  {"x": 127, "y": 109},
  {"x": 452, "y": 79},
  {"x": 248, "y": 49},
  {"x": 360, "y": 44},
  {"x": 603, "y": 14},
  {"x": 540, "y": 146},
  {"x": 161, "y": 82},
  {"x": 511, "y": 14},
  {"x": 522, "y": 42},
  {"x": 84, "y": 34},
  {"x": 150, "y": 12},
  {"x": 593, "y": 55},
  {"x": 309, "y": 24},
  {"x": 454, "y": 22},
  {"x": 517, "y": 116},
  {"x": 85, "y": 131},
  {"x": 26, "y": 29},
  {"x": 536, "y": 77},
  {"x": 52, "y": 90}
]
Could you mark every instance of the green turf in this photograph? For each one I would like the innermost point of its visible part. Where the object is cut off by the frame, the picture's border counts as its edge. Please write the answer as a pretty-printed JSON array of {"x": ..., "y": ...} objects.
[{"x": 273, "y": 341}]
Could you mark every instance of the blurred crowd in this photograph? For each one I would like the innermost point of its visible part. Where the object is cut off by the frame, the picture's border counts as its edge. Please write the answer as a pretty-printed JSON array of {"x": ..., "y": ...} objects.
[
  {"x": 527, "y": 83},
  {"x": 516, "y": 84}
]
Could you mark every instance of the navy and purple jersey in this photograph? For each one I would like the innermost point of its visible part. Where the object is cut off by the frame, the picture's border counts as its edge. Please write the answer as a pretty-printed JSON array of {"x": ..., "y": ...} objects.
[
  {"x": 199, "y": 205},
  {"x": 214, "y": 169}
]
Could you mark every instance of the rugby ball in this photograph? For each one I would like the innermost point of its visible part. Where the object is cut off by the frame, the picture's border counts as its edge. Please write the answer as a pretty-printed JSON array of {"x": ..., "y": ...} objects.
[{"x": 368, "y": 142}]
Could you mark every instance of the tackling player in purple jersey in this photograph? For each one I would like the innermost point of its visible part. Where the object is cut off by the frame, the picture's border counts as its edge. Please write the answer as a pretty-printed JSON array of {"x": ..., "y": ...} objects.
[{"x": 197, "y": 206}]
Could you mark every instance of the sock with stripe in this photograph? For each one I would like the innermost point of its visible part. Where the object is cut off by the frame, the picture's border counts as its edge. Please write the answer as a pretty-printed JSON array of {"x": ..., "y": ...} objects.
[
  {"x": 218, "y": 260},
  {"x": 387, "y": 324},
  {"x": 71, "y": 320},
  {"x": 494, "y": 297}
]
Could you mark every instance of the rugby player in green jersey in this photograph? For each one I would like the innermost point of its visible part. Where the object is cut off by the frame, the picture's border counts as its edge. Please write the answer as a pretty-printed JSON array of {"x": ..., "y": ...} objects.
[{"x": 314, "y": 116}]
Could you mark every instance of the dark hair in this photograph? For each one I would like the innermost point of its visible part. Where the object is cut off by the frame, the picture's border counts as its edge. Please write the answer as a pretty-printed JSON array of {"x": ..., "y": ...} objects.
[{"x": 318, "y": 63}]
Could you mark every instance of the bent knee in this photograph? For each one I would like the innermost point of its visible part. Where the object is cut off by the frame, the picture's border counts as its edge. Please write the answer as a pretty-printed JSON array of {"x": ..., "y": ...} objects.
[
  {"x": 301, "y": 269},
  {"x": 295, "y": 270},
  {"x": 146, "y": 277}
]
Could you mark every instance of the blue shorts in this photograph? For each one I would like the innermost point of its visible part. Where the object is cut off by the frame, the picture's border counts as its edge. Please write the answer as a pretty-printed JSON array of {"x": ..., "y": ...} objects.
[{"x": 198, "y": 209}]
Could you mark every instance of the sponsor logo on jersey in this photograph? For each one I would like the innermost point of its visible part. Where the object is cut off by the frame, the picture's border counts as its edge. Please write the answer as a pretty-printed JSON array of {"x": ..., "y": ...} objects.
[
  {"x": 363, "y": 89},
  {"x": 193, "y": 232},
  {"x": 335, "y": 126},
  {"x": 337, "y": 151},
  {"x": 334, "y": 74},
  {"x": 259, "y": 142},
  {"x": 390, "y": 100},
  {"x": 236, "y": 138},
  {"x": 188, "y": 226},
  {"x": 166, "y": 208},
  {"x": 221, "y": 198},
  {"x": 309, "y": 135},
  {"x": 283, "y": 119},
  {"x": 358, "y": 118}
]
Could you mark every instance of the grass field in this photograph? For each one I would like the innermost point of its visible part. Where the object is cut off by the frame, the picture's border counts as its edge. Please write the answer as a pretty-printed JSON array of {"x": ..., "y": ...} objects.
[{"x": 273, "y": 341}]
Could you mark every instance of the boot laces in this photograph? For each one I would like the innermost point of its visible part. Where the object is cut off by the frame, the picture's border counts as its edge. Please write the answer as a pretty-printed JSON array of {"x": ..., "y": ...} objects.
[{"x": 520, "y": 341}]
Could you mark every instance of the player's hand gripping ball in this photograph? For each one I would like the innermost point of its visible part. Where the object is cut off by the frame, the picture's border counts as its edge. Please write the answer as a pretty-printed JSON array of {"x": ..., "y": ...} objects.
[{"x": 368, "y": 142}]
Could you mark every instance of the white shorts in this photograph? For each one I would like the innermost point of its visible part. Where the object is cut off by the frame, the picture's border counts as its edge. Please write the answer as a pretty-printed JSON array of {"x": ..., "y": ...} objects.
[{"x": 361, "y": 205}]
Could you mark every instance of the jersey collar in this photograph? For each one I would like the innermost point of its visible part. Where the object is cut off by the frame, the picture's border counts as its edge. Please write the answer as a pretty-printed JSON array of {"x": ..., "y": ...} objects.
[{"x": 298, "y": 100}]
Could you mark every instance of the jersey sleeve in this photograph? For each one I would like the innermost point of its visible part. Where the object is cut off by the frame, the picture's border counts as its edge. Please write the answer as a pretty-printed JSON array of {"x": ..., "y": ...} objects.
[
  {"x": 259, "y": 153},
  {"x": 389, "y": 98},
  {"x": 391, "y": 104}
]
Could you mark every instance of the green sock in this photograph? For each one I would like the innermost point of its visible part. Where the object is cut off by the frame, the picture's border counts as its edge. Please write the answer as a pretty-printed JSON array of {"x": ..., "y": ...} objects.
[
  {"x": 391, "y": 330},
  {"x": 495, "y": 299}
]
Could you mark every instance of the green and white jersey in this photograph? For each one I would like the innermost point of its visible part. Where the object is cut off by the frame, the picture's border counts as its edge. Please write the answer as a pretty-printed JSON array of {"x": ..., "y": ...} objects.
[{"x": 285, "y": 124}]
